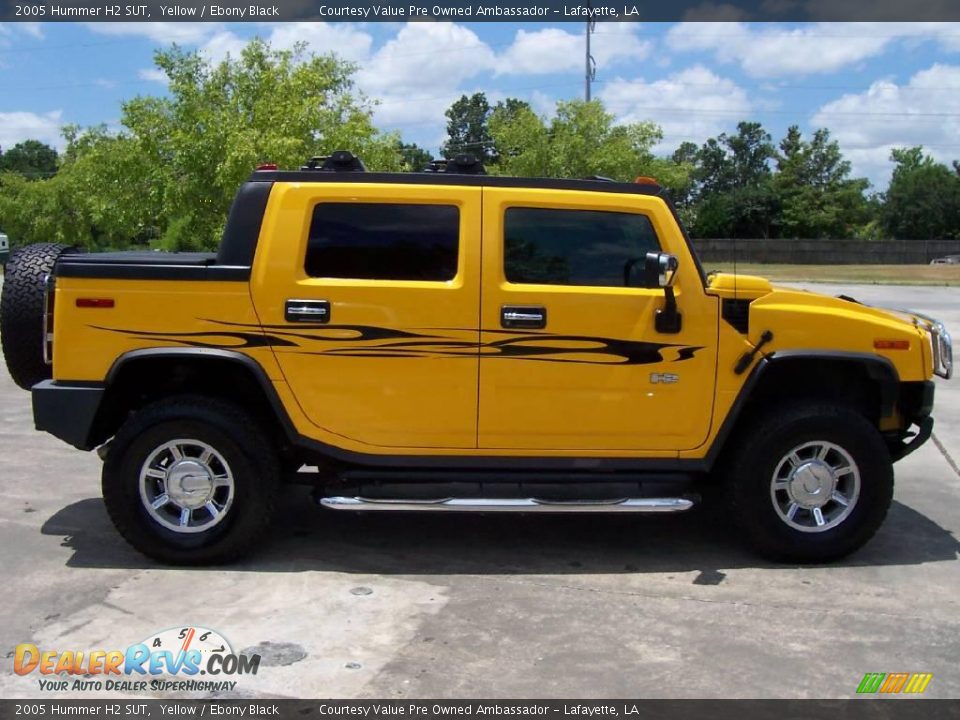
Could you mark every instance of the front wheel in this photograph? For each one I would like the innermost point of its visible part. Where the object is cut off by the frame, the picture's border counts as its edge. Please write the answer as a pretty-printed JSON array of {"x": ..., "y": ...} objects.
[
  {"x": 809, "y": 484},
  {"x": 191, "y": 481}
]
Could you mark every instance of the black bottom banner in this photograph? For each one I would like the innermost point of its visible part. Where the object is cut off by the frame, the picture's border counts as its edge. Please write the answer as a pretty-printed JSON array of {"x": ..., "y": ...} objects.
[{"x": 859, "y": 709}]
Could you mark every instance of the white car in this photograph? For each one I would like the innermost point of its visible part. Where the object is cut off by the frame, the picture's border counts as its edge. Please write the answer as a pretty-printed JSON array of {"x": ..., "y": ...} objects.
[{"x": 948, "y": 260}]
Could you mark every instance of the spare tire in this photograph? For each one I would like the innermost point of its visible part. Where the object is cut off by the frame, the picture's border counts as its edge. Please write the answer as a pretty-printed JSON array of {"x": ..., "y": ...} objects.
[{"x": 21, "y": 312}]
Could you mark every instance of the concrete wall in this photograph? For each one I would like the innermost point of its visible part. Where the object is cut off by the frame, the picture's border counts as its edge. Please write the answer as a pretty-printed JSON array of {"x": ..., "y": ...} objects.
[{"x": 826, "y": 252}]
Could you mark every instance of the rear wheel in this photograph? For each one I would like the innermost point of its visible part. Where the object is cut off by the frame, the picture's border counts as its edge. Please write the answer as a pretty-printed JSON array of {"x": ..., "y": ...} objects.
[
  {"x": 21, "y": 312},
  {"x": 811, "y": 484},
  {"x": 191, "y": 481}
]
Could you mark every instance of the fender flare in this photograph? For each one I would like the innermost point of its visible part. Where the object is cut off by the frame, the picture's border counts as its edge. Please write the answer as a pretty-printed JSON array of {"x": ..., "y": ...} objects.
[{"x": 877, "y": 368}]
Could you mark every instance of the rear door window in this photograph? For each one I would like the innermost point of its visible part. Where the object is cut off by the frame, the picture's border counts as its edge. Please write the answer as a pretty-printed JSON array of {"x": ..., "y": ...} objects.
[{"x": 383, "y": 241}]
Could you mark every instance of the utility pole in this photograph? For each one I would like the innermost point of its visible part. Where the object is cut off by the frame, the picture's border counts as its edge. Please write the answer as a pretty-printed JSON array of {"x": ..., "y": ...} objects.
[{"x": 591, "y": 64}]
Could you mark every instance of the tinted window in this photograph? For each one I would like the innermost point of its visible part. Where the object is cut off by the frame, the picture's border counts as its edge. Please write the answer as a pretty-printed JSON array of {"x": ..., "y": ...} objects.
[
  {"x": 577, "y": 247},
  {"x": 371, "y": 241}
]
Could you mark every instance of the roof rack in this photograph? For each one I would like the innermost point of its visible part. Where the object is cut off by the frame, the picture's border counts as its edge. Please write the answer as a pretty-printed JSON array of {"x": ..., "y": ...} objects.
[
  {"x": 463, "y": 164},
  {"x": 337, "y": 161}
]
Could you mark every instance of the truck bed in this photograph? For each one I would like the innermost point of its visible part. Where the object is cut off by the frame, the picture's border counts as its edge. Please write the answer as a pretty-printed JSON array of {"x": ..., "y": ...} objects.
[{"x": 145, "y": 265}]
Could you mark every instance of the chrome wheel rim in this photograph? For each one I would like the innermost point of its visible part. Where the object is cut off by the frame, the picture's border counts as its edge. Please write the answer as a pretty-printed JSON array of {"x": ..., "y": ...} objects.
[
  {"x": 815, "y": 486},
  {"x": 186, "y": 486}
]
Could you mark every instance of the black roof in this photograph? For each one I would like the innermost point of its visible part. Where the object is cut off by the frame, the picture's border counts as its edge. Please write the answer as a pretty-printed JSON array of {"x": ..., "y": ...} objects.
[{"x": 416, "y": 178}]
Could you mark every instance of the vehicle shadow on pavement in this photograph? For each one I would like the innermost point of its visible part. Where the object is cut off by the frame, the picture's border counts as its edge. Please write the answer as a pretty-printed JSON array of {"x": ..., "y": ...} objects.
[{"x": 308, "y": 538}]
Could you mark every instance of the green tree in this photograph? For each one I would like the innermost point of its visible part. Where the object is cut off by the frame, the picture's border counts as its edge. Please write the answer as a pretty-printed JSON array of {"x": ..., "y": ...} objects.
[
  {"x": 923, "y": 200},
  {"x": 730, "y": 193},
  {"x": 102, "y": 197},
  {"x": 580, "y": 140},
  {"x": 415, "y": 158},
  {"x": 468, "y": 128},
  {"x": 169, "y": 176},
  {"x": 31, "y": 158},
  {"x": 218, "y": 122},
  {"x": 816, "y": 194}
]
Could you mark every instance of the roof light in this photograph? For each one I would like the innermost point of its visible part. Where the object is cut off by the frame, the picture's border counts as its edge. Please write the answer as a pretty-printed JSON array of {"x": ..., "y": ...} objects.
[
  {"x": 266, "y": 166},
  {"x": 645, "y": 180}
]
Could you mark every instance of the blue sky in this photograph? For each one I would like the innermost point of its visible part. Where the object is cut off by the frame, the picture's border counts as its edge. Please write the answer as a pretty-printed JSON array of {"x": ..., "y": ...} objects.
[{"x": 875, "y": 85}]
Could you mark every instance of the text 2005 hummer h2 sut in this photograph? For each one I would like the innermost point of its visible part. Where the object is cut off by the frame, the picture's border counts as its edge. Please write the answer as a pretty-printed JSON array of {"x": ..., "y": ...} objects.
[{"x": 454, "y": 341}]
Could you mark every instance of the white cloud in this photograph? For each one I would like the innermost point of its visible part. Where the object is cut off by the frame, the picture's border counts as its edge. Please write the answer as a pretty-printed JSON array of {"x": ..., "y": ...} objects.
[
  {"x": 18, "y": 126},
  {"x": 346, "y": 40},
  {"x": 924, "y": 111},
  {"x": 420, "y": 72},
  {"x": 554, "y": 50},
  {"x": 9, "y": 30},
  {"x": 692, "y": 104},
  {"x": 220, "y": 45},
  {"x": 33, "y": 29},
  {"x": 153, "y": 75},
  {"x": 184, "y": 33},
  {"x": 343, "y": 39},
  {"x": 774, "y": 50}
]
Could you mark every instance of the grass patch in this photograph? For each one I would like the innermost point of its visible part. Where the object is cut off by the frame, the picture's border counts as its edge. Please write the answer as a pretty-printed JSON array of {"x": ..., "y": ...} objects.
[{"x": 864, "y": 274}]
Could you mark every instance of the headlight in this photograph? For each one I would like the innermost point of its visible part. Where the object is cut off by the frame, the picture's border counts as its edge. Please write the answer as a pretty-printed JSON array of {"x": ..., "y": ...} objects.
[{"x": 940, "y": 343}]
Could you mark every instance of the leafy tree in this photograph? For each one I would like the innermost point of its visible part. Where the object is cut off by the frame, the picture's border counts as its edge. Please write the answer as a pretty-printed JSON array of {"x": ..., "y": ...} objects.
[
  {"x": 468, "y": 128},
  {"x": 923, "y": 200},
  {"x": 746, "y": 212},
  {"x": 581, "y": 140},
  {"x": 415, "y": 158},
  {"x": 816, "y": 194},
  {"x": 729, "y": 162},
  {"x": 730, "y": 190},
  {"x": 31, "y": 158},
  {"x": 102, "y": 198},
  {"x": 218, "y": 122},
  {"x": 169, "y": 176}
]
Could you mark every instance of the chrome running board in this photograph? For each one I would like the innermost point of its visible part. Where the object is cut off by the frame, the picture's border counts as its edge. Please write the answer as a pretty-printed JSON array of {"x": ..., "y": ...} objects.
[{"x": 511, "y": 504}]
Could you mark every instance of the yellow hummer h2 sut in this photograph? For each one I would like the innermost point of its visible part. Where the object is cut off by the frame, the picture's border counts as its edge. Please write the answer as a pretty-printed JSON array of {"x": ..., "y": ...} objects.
[{"x": 452, "y": 341}]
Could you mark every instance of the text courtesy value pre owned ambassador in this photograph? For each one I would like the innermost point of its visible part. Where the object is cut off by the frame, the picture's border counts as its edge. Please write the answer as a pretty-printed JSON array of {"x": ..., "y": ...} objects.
[{"x": 450, "y": 340}]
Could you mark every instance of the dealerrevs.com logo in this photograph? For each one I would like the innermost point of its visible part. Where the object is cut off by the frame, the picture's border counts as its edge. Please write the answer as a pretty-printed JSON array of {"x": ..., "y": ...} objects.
[{"x": 171, "y": 660}]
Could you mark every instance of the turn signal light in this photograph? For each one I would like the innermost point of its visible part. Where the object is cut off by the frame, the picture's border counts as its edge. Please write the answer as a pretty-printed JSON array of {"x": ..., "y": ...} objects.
[
  {"x": 95, "y": 302},
  {"x": 891, "y": 344}
]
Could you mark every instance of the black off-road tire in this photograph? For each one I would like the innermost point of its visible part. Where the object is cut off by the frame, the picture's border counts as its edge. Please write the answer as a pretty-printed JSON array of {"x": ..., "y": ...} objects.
[
  {"x": 21, "y": 312},
  {"x": 758, "y": 450},
  {"x": 233, "y": 433}
]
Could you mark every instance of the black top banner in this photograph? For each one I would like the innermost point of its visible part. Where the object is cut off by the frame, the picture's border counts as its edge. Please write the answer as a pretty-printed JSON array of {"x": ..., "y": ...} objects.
[{"x": 479, "y": 10}]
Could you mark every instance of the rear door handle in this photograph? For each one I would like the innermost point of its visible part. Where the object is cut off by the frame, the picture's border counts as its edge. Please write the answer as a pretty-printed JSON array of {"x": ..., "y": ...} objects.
[
  {"x": 317, "y": 311},
  {"x": 523, "y": 316}
]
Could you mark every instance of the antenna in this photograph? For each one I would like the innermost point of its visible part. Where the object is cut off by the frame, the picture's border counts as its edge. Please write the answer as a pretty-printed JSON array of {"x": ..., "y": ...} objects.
[{"x": 590, "y": 64}]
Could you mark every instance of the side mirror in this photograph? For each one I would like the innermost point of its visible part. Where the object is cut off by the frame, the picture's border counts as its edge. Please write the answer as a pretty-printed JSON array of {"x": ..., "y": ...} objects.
[{"x": 661, "y": 271}]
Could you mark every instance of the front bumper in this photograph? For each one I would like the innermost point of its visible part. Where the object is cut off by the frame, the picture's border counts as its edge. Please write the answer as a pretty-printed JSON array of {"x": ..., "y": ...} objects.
[
  {"x": 67, "y": 411},
  {"x": 916, "y": 404}
]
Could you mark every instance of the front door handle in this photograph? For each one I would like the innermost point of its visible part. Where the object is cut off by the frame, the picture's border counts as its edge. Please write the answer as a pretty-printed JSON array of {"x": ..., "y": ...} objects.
[
  {"x": 317, "y": 311},
  {"x": 523, "y": 316}
]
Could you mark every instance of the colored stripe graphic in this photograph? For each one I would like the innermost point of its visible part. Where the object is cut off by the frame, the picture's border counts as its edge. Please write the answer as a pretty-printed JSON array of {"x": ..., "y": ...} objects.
[
  {"x": 892, "y": 683},
  {"x": 871, "y": 682},
  {"x": 918, "y": 682}
]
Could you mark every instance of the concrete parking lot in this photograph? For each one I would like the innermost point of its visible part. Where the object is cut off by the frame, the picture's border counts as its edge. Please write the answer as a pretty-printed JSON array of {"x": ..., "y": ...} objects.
[{"x": 499, "y": 606}]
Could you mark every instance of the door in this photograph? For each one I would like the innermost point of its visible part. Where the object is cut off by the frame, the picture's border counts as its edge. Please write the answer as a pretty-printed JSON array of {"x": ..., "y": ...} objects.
[
  {"x": 570, "y": 360},
  {"x": 373, "y": 294}
]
